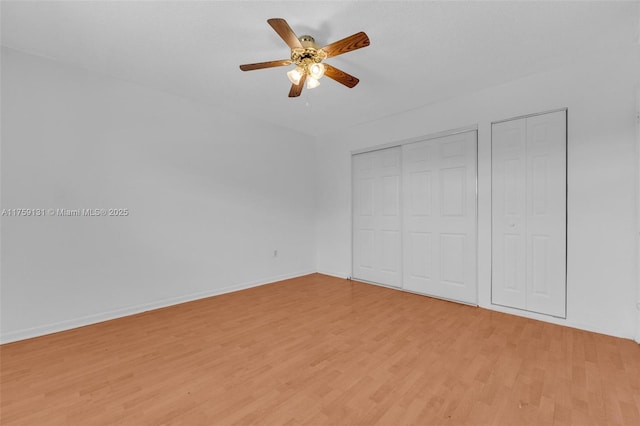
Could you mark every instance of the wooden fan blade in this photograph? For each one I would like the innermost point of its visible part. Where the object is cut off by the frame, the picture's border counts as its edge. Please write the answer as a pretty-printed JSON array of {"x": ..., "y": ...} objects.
[
  {"x": 284, "y": 30},
  {"x": 340, "y": 76},
  {"x": 353, "y": 42},
  {"x": 296, "y": 89},
  {"x": 261, "y": 65}
]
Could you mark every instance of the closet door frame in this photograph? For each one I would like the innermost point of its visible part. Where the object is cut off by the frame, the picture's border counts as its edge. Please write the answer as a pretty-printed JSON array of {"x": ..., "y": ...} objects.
[
  {"x": 400, "y": 143},
  {"x": 566, "y": 212}
]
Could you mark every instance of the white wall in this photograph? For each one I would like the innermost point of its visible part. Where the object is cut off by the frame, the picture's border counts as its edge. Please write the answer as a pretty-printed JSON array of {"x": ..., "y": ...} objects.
[
  {"x": 600, "y": 95},
  {"x": 210, "y": 195}
]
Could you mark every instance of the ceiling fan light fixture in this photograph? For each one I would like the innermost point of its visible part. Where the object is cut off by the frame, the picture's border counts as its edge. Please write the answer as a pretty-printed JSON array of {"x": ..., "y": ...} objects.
[
  {"x": 295, "y": 75},
  {"x": 316, "y": 70},
  {"x": 312, "y": 82}
]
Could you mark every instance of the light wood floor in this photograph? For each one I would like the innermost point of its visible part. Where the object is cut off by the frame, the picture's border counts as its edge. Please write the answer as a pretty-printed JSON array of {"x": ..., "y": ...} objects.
[{"x": 321, "y": 350}]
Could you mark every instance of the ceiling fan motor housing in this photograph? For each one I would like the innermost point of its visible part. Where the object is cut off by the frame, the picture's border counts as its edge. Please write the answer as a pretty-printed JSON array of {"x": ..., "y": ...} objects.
[{"x": 309, "y": 53}]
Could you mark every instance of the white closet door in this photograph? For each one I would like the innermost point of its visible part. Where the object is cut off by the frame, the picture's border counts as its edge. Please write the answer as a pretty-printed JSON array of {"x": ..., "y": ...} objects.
[
  {"x": 529, "y": 213},
  {"x": 376, "y": 217},
  {"x": 439, "y": 214},
  {"x": 546, "y": 213},
  {"x": 508, "y": 286}
]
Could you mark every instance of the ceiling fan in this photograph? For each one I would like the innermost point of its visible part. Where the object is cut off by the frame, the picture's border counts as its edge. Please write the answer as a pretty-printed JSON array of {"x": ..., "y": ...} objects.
[{"x": 308, "y": 58}]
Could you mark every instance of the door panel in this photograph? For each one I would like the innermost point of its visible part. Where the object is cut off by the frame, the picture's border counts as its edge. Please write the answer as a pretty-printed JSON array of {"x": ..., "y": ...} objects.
[
  {"x": 512, "y": 267},
  {"x": 365, "y": 197},
  {"x": 452, "y": 258},
  {"x": 376, "y": 217},
  {"x": 364, "y": 249},
  {"x": 419, "y": 193},
  {"x": 390, "y": 252},
  {"x": 420, "y": 255},
  {"x": 453, "y": 191},
  {"x": 508, "y": 214},
  {"x": 390, "y": 196},
  {"x": 439, "y": 217},
  {"x": 546, "y": 213},
  {"x": 540, "y": 265}
]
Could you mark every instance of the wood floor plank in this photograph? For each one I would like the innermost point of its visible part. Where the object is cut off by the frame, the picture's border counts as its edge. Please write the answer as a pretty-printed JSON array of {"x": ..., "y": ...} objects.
[{"x": 320, "y": 350}]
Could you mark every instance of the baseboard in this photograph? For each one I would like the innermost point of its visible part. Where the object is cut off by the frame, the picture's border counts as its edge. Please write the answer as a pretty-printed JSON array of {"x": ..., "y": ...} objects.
[
  {"x": 334, "y": 274},
  {"x": 42, "y": 330},
  {"x": 558, "y": 321}
]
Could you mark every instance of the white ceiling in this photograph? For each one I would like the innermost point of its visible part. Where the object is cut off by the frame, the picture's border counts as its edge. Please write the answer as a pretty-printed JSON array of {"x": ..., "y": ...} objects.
[{"x": 421, "y": 52}]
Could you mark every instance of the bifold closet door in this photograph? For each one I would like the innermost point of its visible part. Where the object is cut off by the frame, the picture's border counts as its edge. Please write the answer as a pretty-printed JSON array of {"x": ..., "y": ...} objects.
[
  {"x": 376, "y": 216},
  {"x": 529, "y": 213},
  {"x": 439, "y": 217}
]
